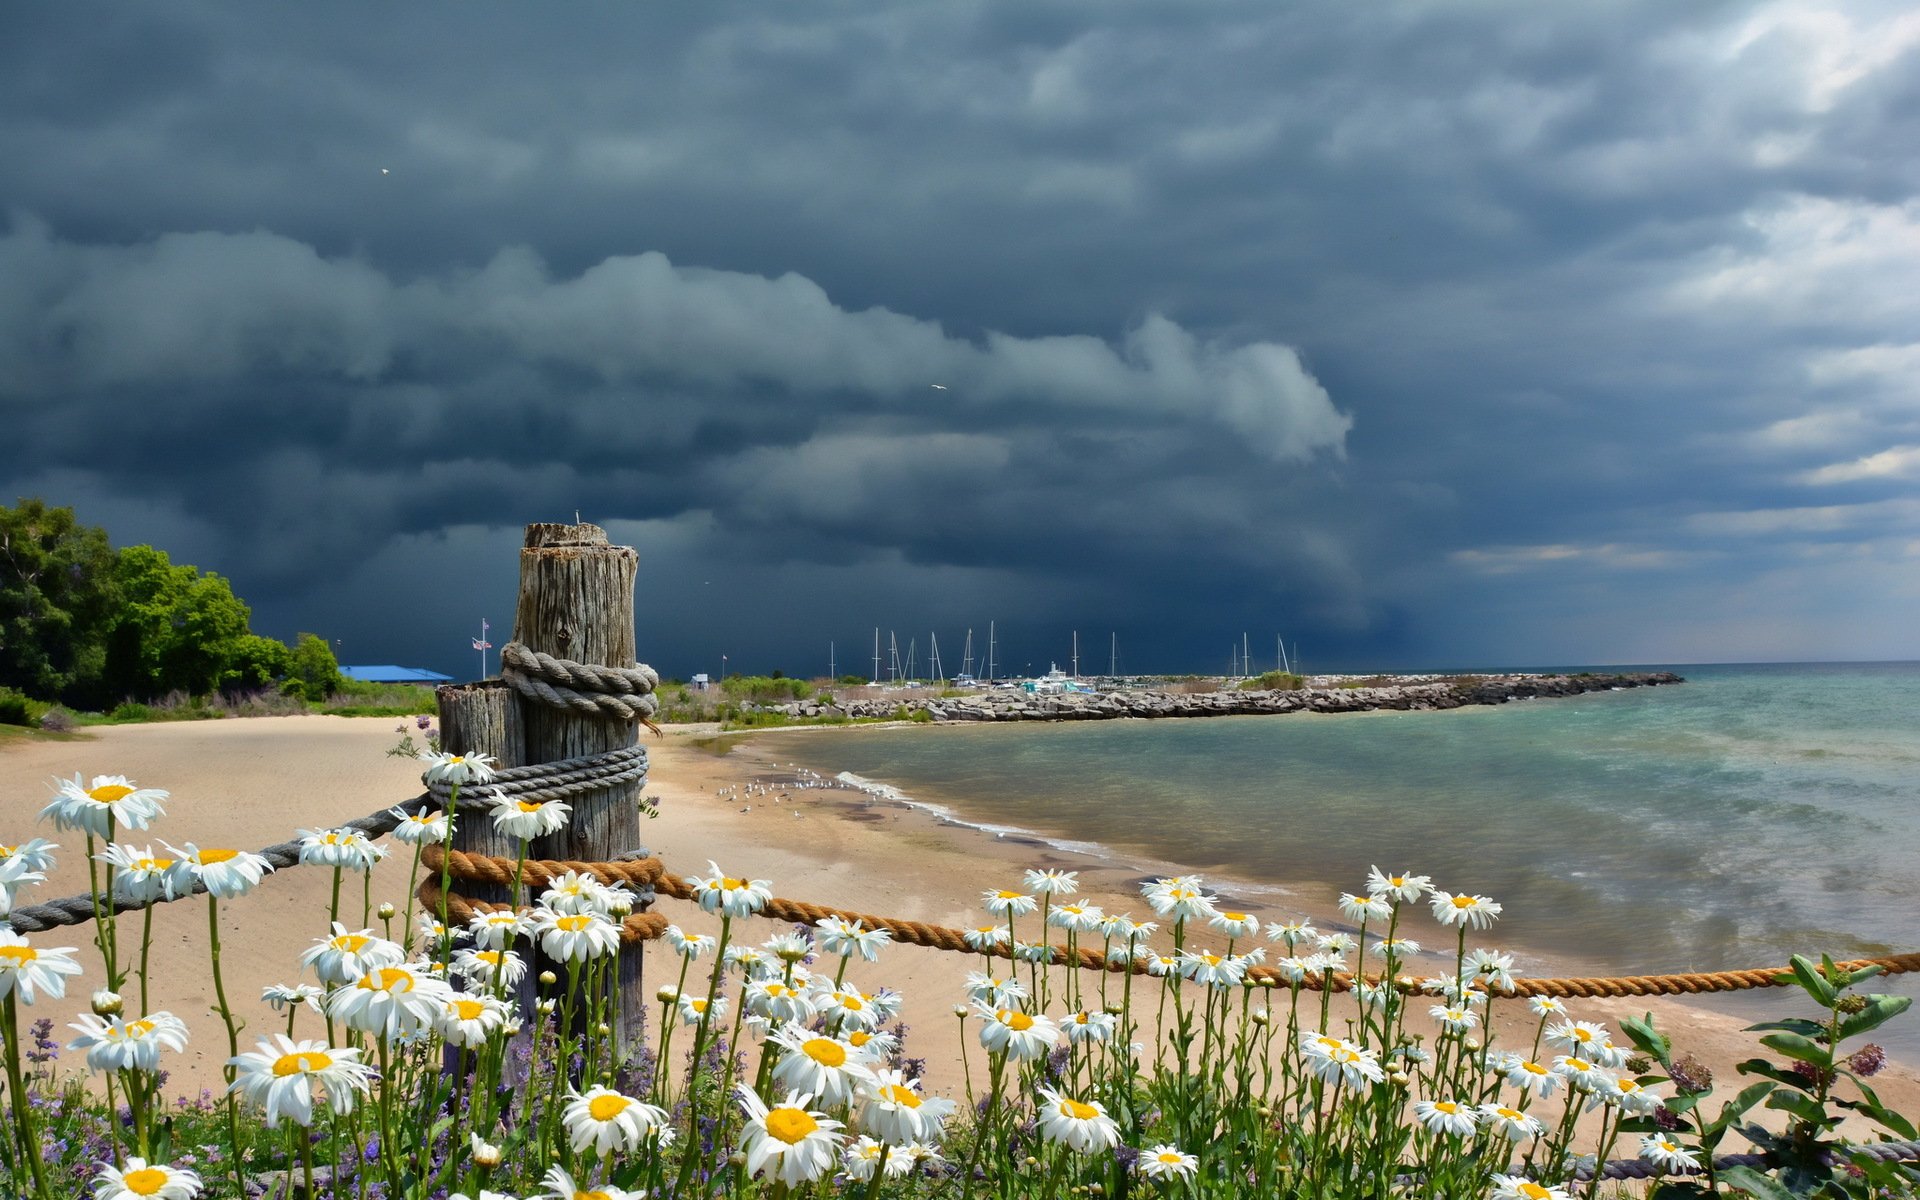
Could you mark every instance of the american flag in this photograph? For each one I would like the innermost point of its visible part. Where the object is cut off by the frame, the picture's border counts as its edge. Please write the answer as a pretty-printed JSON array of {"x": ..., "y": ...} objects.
[{"x": 482, "y": 644}]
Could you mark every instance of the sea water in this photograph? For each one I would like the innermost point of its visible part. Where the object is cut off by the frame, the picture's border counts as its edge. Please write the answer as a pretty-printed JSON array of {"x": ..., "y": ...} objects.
[{"x": 1748, "y": 814}]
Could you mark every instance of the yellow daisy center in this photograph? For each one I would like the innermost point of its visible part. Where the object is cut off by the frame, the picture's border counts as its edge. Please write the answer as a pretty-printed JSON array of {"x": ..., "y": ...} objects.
[
  {"x": 859, "y": 1038},
  {"x": 147, "y": 1181},
  {"x": 1446, "y": 1106},
  {"x": 825, "y": 1051},
  {"x": 790, "y": 1125},
  {"x": 732, "y": 884},
  {"x": 1579, "y": 1064},
  {"x": 900, "y": 1095},
  {"x": 1397, "y": 880},
  {"x": 352, "y": 943},
  {"x": 592, "y": 1196},
  {"x": 1017, "y": 1021},
  {"x": 1533, "y": 1068},
  {"x": 110, "y": 793},
  {"x": 1532, "y": 1190},
  {"x": 528, "y": 807},
  {"x": 607, "y": 1107},
  {"x": 1011, "y": 895},
  {"x": 387, "y": 979},
  {"x": 1327, "y": 1043},
  {"x": 849, "y": 1002},
  {"x": 209, "y": 857},
  {"x": 490, "y": 957},
  {"x": 305, "y": 1060},
  {"x": 1077, "y": 1110},
  {"x": 1169, "y": 1157},
  {"x": 1233, "y": 916},
  {"x": 1463, "y": 901},
  {"x": 18, "y": 956},
  {"x": 140, "y": 1028},
  {"x": 1212, "y": 960},
  {"x": 469, "y": 1010},
  {"x": 1510, "y": 1114},
  {"x": 572, "y": 924}
]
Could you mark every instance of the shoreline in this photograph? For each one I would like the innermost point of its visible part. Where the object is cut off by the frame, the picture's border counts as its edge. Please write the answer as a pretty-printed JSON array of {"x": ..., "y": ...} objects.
[{"x": 252, "y": 782}]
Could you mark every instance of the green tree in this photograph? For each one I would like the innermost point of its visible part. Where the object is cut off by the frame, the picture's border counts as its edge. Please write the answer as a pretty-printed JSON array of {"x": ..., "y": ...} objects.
[
  {"x": 313, "y": 674},
  {"x": 256, "y": 662},
  {"x": 57, "y": 597},
  {"x": 176, "y": 630}
]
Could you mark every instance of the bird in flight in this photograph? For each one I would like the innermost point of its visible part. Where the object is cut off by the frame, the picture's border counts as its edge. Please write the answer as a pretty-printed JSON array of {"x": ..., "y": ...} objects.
[
  {"x": 383, "y": 170},
  {"x": 939, "y": 387}
]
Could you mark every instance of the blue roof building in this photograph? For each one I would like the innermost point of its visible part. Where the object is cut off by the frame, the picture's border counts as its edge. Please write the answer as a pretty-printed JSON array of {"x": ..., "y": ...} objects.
[{"x": 392, "y": 674}]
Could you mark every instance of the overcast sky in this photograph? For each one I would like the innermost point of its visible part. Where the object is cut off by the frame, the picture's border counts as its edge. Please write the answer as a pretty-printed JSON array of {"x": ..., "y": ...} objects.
[{"x": 1423, "y": 333}]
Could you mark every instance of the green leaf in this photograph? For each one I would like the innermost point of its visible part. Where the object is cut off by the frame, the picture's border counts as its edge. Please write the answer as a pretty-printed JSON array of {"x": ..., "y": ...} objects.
[
  {"x": 1685, "y": 1101},
  {"x": 1767, "y": 1070},
  {"x": 1753, "y": 1181},
  {"x": 1799, "y": 1025},
  {"x": 1872, "y": 1107},
  {"x": 1803, "y": 1106},
  {"x": 1647, "y": 1039},
  {"x": 1812, "y": 981},
  {"x": 1879, "y": 1010},
  {"x": 1794, "y": 1046},
  {"x": 1677, "y": 1189},
  {"x": 1737, "y": 1107}
]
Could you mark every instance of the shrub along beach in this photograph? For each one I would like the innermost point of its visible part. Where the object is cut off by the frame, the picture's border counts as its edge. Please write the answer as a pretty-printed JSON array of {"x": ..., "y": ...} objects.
[{"x": 345, "y": 1044}]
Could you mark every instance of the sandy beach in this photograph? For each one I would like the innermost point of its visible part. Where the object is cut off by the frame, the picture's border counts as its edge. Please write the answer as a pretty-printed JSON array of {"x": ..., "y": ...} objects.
[{"x": 247, "y": 783}]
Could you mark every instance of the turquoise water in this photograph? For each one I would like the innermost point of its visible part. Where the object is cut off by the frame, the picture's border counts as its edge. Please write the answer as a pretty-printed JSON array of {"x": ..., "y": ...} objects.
[{"x": 1750, "y": 813}]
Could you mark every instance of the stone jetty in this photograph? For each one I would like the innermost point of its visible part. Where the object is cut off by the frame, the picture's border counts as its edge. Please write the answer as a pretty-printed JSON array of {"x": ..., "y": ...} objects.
[{"x": 1411, "y": 694}]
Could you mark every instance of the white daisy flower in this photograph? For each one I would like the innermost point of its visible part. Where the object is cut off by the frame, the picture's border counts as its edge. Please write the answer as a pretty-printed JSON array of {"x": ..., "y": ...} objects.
[
  {"x": 1447, "y": 1116},
  {"x": 1633, "y": 1098},
  {"x": 1491, "y": 968},
  {"x": 1089, "y": 1027},
  {"x": 853, "y": 1008},
  {"x": 1364, "y": 908},
  {"x": 142, "y": 1180},
  {"x": 1293, "y": 968},
  {"x": 690, "y": 946},
  {"x": 1585, "y": 1073},
  {"x": 1394, "y": 948},
  {"x": 1474, "y": 912},
  {"x": 604, "y": 1121},
  {"x": 1166, "y": 1162},
  {"x": 1454, "y": 1018},
  {"x": 851, "y": 937},
  {"x": 1236, "y": 924},
  {"x": 347, "y": 849},
  {"x": 1291, "y": 932},
  {"x": 1519, "y": 1187},
  {"x": 1005, "y": 903},
  {"x": 110, "y": 801},
  {"x": 1034, "y": 952},
  {"x": 1020, "y": 1035},
  {"x": 1081, "y": 1125},
  {"x": 346, "y": 956},
  {"x": 562, "y": 1186},
  {"x": 1396, "y": 887},
  {"x": 788, "y": 1141},
  {"x": 1546, "y": 1006},
  {"x": 893, "y": 1110},
  {"x": 864, "y": 1155},
  {"x": 225, "y": 874},
  {"x": 823, "y": 1067},
  {"x": 1510, "y": 1123},
  {"x": 485, "y": 966},
  {"x": 280, "y": 997},
  {"x": 1211, "y": 969},
  {"x": 35, "y": 854},
  {"x": 873, "y": 1045},
  {"x": 575, "y": 937},
  {"x": 426, "y": 827},
  {"x": 283, "y": 1075},
  {"x": 1337, "y": 1060},
  {"x": 985, "y": 937},
  {"x": 1533, "y": 1077},
  {"x": 127, "y": 1045},
  {"x": 996, "y": 990},
  {"x": 31, "y": 970},
  {"x": 1163, "y": 966},
  {"x": 751, "y": 961},
  {"x": 1668, "y": 1155},
  {"x": 528, "y": 819},
  {"x": 459, "y": 769},
  {"x": 1081, "y": 918},
  {"x": 468, "y": 1020},
  {"x": 692, "y": 1008},
  {"x": 142, "y": 878},
  {"x": 777, "y": 1001},
  {"x": 1124, "y": 927},
  {"x": 495, "y": 930},
  {"x": 789, "y": 947},
  {"x": 1181, "y": 901},
  {"x": 1053, "y": 883},
  {"x": 723, "y": 893},
  {"x": 390, "y": 1002}
]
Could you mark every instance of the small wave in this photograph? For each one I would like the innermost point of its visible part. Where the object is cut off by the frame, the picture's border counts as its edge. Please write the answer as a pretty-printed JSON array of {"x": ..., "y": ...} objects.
[{"x": 884, "y": 791}]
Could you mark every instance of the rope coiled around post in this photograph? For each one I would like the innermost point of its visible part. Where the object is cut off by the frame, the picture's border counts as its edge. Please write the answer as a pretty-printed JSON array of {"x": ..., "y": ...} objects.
[
  {"x": 558, "y": 780},
  {"x": 624, "y": 693},
  {"x": 652, "y": 873}
]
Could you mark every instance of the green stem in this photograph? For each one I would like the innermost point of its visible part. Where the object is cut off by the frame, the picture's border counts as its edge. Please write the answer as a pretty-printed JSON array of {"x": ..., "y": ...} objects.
[
  {"x": 233, "y": 1043},
  {"x": 22, "y": 1106}
]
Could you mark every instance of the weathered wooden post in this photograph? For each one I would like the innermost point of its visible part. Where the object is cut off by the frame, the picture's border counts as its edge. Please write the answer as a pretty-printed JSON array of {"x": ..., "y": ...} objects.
[{"x": 576, "y": 602}]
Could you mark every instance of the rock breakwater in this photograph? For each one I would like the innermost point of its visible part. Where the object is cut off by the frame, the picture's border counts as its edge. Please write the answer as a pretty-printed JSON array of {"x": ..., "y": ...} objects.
[{"x": 1426, "y": 693}]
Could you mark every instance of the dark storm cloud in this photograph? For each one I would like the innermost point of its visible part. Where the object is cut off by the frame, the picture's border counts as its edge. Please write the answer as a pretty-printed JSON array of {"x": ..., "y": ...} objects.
[{"x": 1426, "y": 332}]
